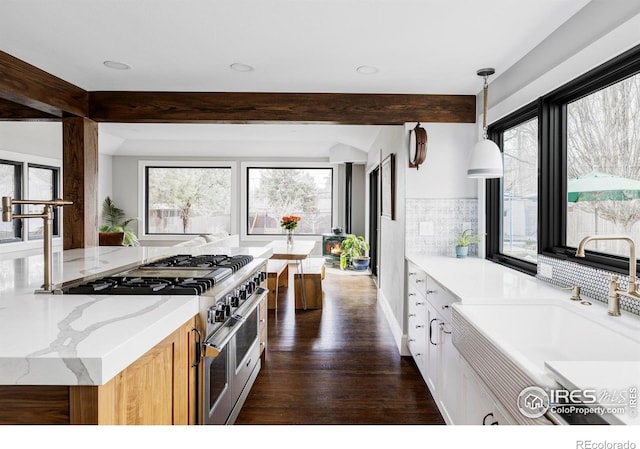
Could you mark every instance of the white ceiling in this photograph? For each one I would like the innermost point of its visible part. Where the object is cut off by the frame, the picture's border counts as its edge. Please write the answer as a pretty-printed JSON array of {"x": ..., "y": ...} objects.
[{"x": 419, "y": 46}]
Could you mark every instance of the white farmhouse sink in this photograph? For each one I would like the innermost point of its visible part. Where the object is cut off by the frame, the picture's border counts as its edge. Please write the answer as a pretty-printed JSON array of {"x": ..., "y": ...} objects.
[
  {"x": 514, "y": 346},
  {"x": 547, "y": 332}
]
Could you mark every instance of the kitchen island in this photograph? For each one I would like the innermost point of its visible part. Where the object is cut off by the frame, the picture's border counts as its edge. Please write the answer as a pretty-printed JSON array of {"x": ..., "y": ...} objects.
[{"x": 57, "y": 349}]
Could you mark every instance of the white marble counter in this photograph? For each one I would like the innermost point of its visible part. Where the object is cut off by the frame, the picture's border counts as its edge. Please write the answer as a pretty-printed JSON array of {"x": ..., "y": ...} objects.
[
  {"x": 81, "y": 339},
  {"x": 591, "y": 359},
  {"x": 475, "y": 280}
]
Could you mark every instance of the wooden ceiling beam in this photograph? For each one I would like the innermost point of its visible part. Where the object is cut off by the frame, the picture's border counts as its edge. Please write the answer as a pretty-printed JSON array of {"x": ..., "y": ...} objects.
[
  {"x": 243, "y": 107},
  {"x": 17, "y": 112},
  {"x": 29, "y": 86}
]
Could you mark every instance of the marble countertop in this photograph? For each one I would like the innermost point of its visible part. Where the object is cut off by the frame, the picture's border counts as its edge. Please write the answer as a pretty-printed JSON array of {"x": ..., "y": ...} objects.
[
  {"x": 477, "y": 282},
  {"x": 50, "y": 339}
]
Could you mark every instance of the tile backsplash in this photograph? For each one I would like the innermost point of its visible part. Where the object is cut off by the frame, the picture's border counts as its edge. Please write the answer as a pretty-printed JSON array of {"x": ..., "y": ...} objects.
[
  {"x": 591, "y": 280},
  {"x": 442, "y": 220}
]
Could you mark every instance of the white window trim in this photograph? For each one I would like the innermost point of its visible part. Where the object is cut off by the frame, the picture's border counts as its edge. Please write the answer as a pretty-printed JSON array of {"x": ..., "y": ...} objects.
[
  {"x": 300, "y": 164},
  {"x": 143, "y": 164},
  {"x": 26, "y": 159}
]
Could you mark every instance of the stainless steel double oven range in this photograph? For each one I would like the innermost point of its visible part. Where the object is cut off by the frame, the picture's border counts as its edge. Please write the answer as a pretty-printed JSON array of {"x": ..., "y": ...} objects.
[{"x": 230, "y": 289}]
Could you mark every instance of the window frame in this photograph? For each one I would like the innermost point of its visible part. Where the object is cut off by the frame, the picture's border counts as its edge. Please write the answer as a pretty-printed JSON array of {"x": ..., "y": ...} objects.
[
  {"x": 280, "y": 167},
  {"x": 18, "y": 225},
  {"x": 285, "y": 164},
  {"x": 143, "y": 185},
  {"x": 551, "y": 110},
  {"x": 56, "y": 194},
  {"x": 494, "y": 206}
]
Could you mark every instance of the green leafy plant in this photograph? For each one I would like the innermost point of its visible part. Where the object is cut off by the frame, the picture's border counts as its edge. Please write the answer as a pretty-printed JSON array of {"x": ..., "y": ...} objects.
[
  {"x": 353, "y": 247},
  {"x": 467, "y": 238},
  {"x": 115, "y": 221}
]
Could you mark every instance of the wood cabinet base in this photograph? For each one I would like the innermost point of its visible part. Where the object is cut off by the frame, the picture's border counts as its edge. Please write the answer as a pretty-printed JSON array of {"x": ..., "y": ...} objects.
[{"x": 155, "y": 389}]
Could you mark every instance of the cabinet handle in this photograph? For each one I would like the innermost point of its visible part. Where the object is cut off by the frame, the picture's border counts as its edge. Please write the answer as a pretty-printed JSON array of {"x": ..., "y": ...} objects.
[
  {"x": 445, "y": 307},
  {"x": 430, "y": 292},
  {"x": 412, "y": 273},
  {"x": 419, "y": 354},
  {"x": 412, "y": 339},
  {"x": 419, "y": 326},
  {"x": 442, "y": 325},
  {"x": 198, "y": 348},
  {"x": 484, "y": 420},
  {"x": 431, "y": 331},
  {"x": 419, "y": 281},
  {"x": 419, "y": 303},
  {"x": 412, "y": 294},
  {"x": 262, "y": 320},
  {"x": 412, "y": 314}
]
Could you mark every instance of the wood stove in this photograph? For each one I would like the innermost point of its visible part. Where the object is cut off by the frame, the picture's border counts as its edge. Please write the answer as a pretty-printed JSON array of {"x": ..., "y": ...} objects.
[{"x": 331, "y": 247}]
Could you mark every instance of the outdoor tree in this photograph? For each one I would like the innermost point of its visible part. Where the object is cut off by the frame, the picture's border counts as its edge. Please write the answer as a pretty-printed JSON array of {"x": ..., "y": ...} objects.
[
  {"x": 603, "y": 134},
  {"x": 191, "y": 191},
  {"x": 284, "y": 192}
]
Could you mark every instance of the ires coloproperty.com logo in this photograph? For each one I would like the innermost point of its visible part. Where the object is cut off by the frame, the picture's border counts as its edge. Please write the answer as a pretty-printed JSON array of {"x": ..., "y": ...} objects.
[{"x": 534, "y": 402}]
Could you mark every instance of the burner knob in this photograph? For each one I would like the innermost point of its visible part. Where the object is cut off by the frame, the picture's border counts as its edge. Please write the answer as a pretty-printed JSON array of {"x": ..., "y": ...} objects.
[
  {"x": 263, "y": 276},
  {"x": 220, "y": 313},
  {"x": 211, "y": 315},
  {"x": 243, "y": 293},
  {"x": 235, "y": 301}
]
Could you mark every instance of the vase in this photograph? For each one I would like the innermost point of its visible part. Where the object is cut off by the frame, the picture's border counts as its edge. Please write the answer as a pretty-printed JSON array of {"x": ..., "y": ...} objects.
[
  {"x": 289, "y": 237},
  {"x": 462, "y": 251}
]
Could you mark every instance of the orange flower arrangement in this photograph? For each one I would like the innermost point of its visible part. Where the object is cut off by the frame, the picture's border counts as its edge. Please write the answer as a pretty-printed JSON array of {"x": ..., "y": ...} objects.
[{"x": 289, "y": 222}]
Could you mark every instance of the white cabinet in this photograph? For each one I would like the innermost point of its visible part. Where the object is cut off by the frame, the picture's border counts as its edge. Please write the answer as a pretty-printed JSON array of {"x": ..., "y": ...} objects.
[
  {"x": 429, "y": 340},
  {"x": 480, "y": 408},
  {"x": 416, "y": 320}
]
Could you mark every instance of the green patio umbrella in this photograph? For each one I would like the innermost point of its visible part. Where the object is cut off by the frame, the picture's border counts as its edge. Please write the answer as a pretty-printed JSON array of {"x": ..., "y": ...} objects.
[{"x": 598, "y": 186}]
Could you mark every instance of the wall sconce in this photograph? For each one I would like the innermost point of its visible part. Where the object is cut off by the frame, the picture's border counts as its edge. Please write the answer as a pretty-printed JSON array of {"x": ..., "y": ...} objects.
[
  {"x": 417, "y": 146},
  {"x": 485, "y": 160}
]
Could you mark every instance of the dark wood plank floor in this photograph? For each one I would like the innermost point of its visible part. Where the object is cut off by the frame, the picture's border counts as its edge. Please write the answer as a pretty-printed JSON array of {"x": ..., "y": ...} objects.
[{"x": 337, "y": 365}]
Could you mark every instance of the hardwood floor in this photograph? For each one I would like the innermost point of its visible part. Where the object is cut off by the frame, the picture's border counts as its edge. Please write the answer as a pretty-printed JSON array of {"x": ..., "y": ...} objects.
[{"x": 336, "y": 365}]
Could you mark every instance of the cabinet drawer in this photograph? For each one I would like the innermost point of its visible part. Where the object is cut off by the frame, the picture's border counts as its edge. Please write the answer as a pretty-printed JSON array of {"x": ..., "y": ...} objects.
[
  {"x": 417, "y": 279},
  {"x": 440, "y": 299}
]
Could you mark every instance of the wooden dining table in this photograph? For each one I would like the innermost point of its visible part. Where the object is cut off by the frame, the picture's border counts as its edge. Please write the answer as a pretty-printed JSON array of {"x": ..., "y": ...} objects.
[{"x": 300, "y": 250}]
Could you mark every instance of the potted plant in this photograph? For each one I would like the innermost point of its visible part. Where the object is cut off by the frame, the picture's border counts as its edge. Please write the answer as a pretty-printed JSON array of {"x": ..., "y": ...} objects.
[
  {"x": 463, "y": 241},
  {"x": 353, "y": 252},
  {"x": 115, "y": 230}
]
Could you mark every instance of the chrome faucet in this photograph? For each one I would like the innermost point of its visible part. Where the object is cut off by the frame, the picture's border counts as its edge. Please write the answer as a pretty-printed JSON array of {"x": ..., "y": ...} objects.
[
  {"x": 47, "y": 216},
  {"x": 614, "y": 287}
]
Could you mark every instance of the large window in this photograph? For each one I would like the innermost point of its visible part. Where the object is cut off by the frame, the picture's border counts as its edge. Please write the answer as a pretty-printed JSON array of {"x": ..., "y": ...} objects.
[
  {"x": 275, "y": 192},
  {"x": 588, "y": 165},
  {"x": 10, "y": 183},
  {"x": 43, "y": 185},
  {"x": 603, "y": 165},
  {"x": 188, "y": 200}
]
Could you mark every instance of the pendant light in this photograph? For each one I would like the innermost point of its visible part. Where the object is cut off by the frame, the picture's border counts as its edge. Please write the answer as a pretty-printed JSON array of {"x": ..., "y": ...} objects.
[{"x": 485, "y": 161}]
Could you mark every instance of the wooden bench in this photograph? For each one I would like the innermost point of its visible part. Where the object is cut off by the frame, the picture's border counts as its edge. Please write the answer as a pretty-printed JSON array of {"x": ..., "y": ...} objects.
[
  {"x": 277, "y": 276},
  {"x": 314, "y": 272}
]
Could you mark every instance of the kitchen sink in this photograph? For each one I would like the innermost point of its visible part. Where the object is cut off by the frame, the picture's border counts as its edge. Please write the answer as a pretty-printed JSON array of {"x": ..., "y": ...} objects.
[
  {"x": 512, "y": 346},
  {"x": 552, "y": 332}
]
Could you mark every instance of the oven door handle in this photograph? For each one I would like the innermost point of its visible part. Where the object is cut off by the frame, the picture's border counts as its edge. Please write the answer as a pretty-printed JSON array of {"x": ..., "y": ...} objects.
[{"x": 217, "y": 341}]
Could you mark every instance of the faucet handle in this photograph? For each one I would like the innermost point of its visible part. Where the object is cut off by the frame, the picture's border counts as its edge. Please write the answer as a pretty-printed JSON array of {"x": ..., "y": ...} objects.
[
  {"x": 575, "y": 292},
  {"x": 610, "y": 276}
]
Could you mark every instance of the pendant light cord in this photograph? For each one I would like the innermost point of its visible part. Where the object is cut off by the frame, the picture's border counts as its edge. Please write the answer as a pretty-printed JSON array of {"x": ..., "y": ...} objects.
[{"x": 485, "y": 135}]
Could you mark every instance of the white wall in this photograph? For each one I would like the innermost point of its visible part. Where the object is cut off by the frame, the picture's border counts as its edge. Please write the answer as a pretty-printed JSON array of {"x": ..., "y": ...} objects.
[
  {"x": 444, "y": 172},
  {"x": 391, "y": 232},
  {"x": 34, "y": 138},
  {"x": 105, "y": 181}
]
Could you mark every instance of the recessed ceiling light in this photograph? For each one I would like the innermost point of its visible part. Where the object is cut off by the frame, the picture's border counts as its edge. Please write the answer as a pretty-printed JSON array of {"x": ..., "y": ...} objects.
[
  {"x": 239, "y": 67},
  {"x": 116, "y": 65},
  {"x": 367, "y": 70}
]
